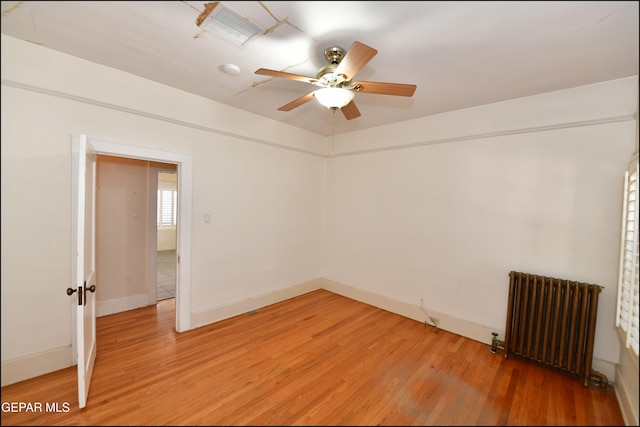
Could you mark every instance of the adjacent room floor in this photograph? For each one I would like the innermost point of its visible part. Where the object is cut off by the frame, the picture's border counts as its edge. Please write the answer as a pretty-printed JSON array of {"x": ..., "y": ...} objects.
[{"x": 166, "y": 267}]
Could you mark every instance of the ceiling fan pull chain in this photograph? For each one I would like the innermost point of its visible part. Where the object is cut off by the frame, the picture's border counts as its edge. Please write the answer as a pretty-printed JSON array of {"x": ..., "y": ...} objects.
[{"x": 333, "y": 128}]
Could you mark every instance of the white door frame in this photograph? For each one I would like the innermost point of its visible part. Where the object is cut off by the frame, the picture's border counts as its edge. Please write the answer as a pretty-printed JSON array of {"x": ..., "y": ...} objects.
[{"x": 184, "y": 162}]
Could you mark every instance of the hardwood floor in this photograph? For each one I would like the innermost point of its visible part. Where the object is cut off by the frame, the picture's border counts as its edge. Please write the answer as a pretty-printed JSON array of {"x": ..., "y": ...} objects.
[{"x": 317, "y": 359}]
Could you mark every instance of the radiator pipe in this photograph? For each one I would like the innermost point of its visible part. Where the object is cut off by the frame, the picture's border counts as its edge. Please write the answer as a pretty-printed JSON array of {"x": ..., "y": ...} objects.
[
  {"x": 496, "y": 343},
  {"x": 599, "y": 379}
]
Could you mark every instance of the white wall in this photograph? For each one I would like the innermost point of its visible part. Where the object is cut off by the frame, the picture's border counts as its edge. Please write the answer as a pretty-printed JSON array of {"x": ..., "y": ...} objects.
[
  {"x": 442, "y": 208},
  {"x": 260, "y": 184},
  {"x": 122, "y": 224},
  {"x": 166, "y": 239}
]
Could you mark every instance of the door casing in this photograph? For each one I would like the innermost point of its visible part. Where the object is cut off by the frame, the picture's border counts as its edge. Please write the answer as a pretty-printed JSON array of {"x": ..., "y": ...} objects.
[{"x": 184, "y": 169}]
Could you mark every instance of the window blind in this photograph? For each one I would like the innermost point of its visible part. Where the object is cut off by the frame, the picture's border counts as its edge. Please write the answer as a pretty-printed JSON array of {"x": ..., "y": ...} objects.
[
  {"x": 628, "y": 288},
  {"x": 167, "y": 207}
]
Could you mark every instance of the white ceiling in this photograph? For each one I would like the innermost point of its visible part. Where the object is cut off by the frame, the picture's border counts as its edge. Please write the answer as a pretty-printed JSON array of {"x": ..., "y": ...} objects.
[{"x": 459, "y": 54}]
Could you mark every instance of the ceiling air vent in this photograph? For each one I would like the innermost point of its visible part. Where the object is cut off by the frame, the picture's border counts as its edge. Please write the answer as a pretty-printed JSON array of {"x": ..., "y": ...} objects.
[{"x": 224, "y": 22}]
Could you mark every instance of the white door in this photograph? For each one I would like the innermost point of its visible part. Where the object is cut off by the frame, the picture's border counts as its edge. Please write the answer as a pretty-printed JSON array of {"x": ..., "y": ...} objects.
[{"x": 83, "y": 256}]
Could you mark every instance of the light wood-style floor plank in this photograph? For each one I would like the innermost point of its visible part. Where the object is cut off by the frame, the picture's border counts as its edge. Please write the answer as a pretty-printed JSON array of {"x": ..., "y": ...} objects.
[{"x": 317, "y": 359}]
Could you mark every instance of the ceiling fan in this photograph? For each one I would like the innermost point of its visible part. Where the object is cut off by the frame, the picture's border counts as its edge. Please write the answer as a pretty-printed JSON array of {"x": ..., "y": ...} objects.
[{"x": 335, "y": 79}]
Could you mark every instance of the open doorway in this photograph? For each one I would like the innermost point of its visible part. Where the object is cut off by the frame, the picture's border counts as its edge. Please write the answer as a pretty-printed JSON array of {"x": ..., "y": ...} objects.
[
  {"x": 129, "y": 254},
  {"x": 136, "y": 228},
  {"x": 166, "y": 232}
]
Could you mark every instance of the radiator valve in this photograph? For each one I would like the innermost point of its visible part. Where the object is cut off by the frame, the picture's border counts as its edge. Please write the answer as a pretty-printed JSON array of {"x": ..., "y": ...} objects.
[
  {"x": 599, "y": 379},
  {"x": 496, "y": 344}
]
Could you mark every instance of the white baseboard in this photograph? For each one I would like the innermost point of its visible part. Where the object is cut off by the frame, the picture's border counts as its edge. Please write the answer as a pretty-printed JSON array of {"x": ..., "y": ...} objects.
[
  {"x": 446, "y": 322},
  {"x": 627, "y": 388},
  {"x": 215, "y": 314},
  {"x": 116, "y": 305},
  {"x": 33, "y": 365},
  {"x": 38, "y": 364}
]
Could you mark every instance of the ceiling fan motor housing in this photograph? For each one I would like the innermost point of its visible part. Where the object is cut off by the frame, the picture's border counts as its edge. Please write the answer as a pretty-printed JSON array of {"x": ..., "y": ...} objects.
[
  {"x": 327, "y": 75},
  {"x": 334, "y": 55}
]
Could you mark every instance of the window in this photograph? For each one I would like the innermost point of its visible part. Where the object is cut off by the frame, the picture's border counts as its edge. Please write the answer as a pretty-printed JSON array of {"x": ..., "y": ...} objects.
[
  {"x": 167, "y": 207},
  {"x": 627, "y": 309}
]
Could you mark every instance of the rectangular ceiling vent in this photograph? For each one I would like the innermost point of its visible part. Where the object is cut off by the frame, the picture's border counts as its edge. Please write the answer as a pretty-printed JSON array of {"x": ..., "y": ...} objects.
[{"x": 224, "y": 22}]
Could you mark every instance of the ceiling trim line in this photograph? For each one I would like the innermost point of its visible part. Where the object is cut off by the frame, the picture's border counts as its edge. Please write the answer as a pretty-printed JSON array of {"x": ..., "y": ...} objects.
[
  {"x": 141, "y": 113},
  {"x": 595, "y": 122}
]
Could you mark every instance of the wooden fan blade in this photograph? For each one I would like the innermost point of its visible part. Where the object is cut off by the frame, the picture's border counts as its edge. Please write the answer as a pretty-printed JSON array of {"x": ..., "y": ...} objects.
[
  {"x": 282, "y": 74},
  {"x": 355, "y": 59},
  {"x": 297, "y": 102},
  {"x": 397, "y": 89},
  {"x": 350, "y": 111}
]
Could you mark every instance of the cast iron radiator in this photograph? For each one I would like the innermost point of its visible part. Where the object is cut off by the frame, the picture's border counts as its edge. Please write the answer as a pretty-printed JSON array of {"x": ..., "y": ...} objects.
[{"x": 552, "y": 322}]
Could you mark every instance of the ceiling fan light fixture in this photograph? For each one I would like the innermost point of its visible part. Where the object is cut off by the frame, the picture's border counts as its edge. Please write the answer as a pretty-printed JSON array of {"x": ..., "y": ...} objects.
[{"x": 333, "y": 97}]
